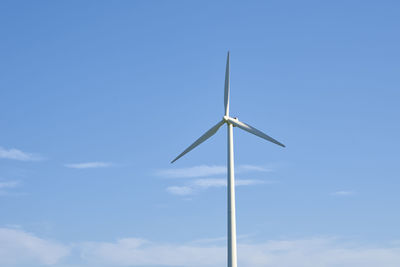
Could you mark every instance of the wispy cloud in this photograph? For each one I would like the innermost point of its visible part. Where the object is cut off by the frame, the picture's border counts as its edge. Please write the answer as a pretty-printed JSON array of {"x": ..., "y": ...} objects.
[
  {"x": 199, "y": 177},
  {"x": 208, "y": 170},
  {"x": 5, "y": 187},
  {"x": 180, "y": 190},
  {"x": 89, "y": 165},
  {"x": 209, "y": 182},
  {"x": 16, "y": 154},
  {"x": 19, "y": 247},
  {"x": 205, "y": 183},
  {"x": 343, "y": 193},
  {"x": 192, "y": 172},
  {"x": 139, "y": 252},
  {"x": 217, "y": 240},
  {"x": 327, "y": 252},
  {"x": 9, "y": 184},
  {"x": 247, "y": 167}
]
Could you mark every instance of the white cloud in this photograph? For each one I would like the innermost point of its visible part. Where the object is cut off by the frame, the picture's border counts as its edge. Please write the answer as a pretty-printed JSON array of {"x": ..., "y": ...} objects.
[
  {"x": 89, "y": 165},
  {"x": 180, "y": 190},
  {"x": 321, "y": 252},
  {"x": 324, "y": 252},
  {"x": 9, "y": 184},
  {"x": 204, "y": 183},
  {"x": 208, "y": 170},
  {"x": 343, "y": 193},
  {"x": 209, "y": 182},
  {"x": 16, "y": 154},
  {"x": 6, "y": 185},
  {"x": 191, "y": 172},
  {"x": 19, "y": 247},
  {"x": 240, "y": 182},
  {"x": 137, "y": 252},
  {"x": 247, "y": 167},
  {"x": 217, "y": 240}
]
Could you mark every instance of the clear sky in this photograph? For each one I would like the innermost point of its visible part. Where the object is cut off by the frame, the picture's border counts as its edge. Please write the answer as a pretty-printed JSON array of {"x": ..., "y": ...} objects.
[{"x": 97, "y": 97}]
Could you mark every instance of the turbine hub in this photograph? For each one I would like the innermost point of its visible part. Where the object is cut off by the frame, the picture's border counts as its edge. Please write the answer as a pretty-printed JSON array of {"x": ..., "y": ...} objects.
[{"x": 229, "y": 120}]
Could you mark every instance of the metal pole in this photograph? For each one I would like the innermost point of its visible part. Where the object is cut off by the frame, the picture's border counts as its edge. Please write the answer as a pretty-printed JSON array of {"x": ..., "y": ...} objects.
[{"x": 232, "y": 261}]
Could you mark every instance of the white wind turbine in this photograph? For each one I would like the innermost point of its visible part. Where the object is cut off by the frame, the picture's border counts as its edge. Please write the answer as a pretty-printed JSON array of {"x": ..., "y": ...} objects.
[{"x": 231, "y": 122}]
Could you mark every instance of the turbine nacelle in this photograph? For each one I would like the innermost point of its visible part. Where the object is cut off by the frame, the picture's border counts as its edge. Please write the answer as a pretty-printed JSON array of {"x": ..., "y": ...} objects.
[{"x": 230, "y": 120}]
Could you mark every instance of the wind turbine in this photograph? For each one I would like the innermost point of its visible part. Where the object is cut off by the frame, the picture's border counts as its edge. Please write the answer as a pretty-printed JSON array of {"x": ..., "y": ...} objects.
[{"x": 231, "y": 122}]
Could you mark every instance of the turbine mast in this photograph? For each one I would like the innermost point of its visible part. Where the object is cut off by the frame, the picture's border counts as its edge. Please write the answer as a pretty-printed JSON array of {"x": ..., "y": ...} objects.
[
  {"x": 232, "y": 259},
  {"x": 230, "y": 122}
]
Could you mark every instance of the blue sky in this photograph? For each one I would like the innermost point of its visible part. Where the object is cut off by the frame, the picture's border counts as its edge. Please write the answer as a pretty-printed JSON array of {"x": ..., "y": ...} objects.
[{"x": 97, "y": 97}]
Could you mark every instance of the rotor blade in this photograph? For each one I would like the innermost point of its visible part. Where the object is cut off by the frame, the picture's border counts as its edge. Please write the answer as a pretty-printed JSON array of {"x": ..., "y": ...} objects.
[
  {"x": 202, "y": 138},
  {"x": 226, "y": 94},
  {"x": 254, "y": 131}
]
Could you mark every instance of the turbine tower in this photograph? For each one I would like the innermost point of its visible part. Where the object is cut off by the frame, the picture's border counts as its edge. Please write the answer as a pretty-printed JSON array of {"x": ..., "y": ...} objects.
[{"x": 231, "y": 122}]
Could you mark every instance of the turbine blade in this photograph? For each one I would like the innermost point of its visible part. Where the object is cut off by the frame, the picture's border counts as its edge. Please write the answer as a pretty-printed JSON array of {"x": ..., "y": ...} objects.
[
  {"x": 254, "y": 131},
  {"x": 202, "y": 138},
  {"x": 226, "y": 94}
]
